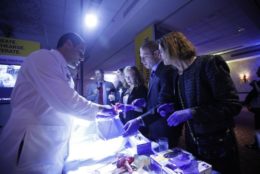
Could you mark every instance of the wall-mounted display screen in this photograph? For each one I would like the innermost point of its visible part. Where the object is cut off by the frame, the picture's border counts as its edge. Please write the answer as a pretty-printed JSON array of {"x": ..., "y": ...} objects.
[{"x": 8, "y": 76}]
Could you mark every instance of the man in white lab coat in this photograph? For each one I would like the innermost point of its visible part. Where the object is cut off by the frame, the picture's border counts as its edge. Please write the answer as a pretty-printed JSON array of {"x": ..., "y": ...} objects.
[{"x": 35, "y": 137}]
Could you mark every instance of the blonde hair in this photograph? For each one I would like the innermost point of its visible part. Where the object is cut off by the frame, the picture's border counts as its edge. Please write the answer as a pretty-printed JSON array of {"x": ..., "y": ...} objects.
[
  {"x": 177, "y": 45},
  {"x": 138, "y": 79}
]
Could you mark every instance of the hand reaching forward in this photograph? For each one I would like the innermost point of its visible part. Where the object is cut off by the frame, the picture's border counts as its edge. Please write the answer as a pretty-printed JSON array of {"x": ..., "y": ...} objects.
[
  {"x": 131, "y": 127},
  {"x": 179, "y": 117},
  {"x": 140, "y": 102}
]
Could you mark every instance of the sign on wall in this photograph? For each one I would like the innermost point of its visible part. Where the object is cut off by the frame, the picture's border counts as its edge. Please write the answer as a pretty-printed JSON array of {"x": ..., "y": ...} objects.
[{"x": 16, "y": 47}]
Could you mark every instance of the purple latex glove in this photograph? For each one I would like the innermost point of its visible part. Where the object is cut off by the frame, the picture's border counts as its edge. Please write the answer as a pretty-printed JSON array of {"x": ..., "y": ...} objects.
[
  {"x": 140, "y": 102},
  {"x": 165, "y": 109},
  {"x": 124, "y": 107},
  {"x": 131, "y": 127},
  {"x": 111, "y": 111},
  {"x": 179, "y": 117},
  {"x": 107, "y": 112}
]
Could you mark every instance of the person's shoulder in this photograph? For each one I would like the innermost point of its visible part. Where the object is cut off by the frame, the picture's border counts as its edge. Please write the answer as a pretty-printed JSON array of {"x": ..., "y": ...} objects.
[
  {"x": 213, "y": 63},
  {"x": 162, "y": 68},
  {"x": 167, "y": 71},
  {"x": 210, "y": 58},
  {"x": 42, "y": 58},
  {"x": 40, "y": 54}
]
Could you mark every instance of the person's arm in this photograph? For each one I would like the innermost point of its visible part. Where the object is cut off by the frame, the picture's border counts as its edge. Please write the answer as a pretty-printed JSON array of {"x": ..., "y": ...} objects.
[
  {"x": 165, "y": 95},
  {"x": 225, "y": 102},
  {"x": 50, "y": 80}
]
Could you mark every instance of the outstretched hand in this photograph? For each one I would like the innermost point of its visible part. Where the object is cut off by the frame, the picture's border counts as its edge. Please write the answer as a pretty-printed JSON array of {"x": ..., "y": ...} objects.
[
  {"x": 179, "y": 117},
  {"x": 131, "y": 127},
  {"x": 124, "y": 107},
  {"x": 108, "y": 107},
  {"x": 140, "y": 102},
  {"x": 107, "y": 112}
]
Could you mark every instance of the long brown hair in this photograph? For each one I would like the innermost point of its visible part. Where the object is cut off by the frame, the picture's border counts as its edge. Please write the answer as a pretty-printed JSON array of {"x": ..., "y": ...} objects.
[{"x": 178, "y": 45}]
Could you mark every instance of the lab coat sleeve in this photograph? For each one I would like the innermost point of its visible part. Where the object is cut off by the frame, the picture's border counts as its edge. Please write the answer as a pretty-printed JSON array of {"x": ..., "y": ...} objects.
[{"x": 50, "y": 81}]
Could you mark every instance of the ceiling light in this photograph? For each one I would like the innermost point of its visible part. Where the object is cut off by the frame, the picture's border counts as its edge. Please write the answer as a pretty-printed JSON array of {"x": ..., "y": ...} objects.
[{"x": 91, "y": 21}]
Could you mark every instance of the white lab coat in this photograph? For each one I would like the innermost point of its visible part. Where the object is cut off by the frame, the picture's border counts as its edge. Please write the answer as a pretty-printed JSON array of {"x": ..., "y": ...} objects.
[{"x": 43, "y": 102}]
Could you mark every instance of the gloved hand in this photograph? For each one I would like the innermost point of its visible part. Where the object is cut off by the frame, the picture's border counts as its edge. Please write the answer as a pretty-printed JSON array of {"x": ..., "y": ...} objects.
[
  {"x": 179, "y": 117},
  {"x": 107, "y": 112},
  {"x": 124, "y": 107},
  {"x": 140, "y": 102},
  {"x": 165, "y": 109},
  {"x": 107, "y": 107},
  {"x": 131, "y": 127}
]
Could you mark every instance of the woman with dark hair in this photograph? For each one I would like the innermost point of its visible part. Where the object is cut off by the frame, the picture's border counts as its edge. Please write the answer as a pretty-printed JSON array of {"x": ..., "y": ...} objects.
[{"x": 206, "y": 101}]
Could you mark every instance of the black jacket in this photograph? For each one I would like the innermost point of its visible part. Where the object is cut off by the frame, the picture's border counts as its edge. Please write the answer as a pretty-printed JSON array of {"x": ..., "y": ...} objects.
[
  {"x": 137, "y": 92},
  {"x": 160, "y": 91},
  {"x": 207, "y": 88}
]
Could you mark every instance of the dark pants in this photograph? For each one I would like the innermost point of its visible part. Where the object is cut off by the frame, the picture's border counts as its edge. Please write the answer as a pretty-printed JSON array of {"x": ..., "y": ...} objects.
[{"x": 219, "y": 150}]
